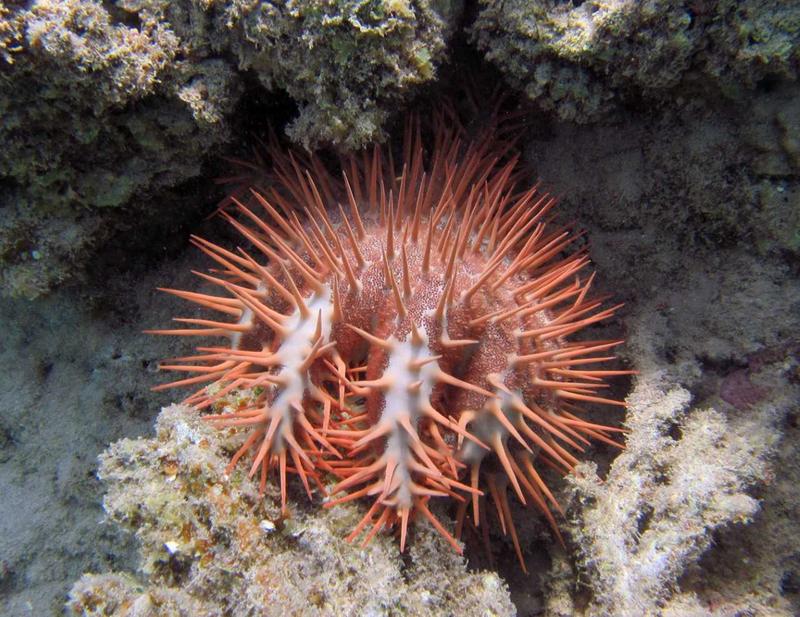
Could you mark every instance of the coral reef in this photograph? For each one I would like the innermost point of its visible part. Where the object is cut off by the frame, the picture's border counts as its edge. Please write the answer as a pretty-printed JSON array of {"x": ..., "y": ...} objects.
[
  {"x": 212, "y": 545},
  {"x": 690, "y": 196},
  {"x": 93, "y": 118},
  {"x": 106, "y": 104},
  {"x": 674, "y": 208},
  {"x": 581, "y": 60},
  {"x": 347, "y": 63},
  {"x": 113, "y": 104},
  {"x": 655, "y": 512},
  {"x": 693, "y": 518}
]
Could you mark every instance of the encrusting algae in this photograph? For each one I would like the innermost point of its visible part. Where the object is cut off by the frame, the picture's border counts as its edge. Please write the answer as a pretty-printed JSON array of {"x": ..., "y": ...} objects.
[{"x": 209, "y": 546}]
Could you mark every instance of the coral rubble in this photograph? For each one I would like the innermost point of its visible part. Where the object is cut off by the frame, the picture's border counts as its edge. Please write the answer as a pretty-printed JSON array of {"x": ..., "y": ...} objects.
[{"x": 211, "y": 545}]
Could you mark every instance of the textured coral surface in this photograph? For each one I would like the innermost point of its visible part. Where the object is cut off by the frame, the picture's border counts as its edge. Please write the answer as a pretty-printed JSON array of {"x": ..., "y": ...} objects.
[
  {"x": 105, "y": 103},
  {"x": 416, "y": 342},
  {"x": 211, "y": 545},
  {"x": 76, "y": 373},
  {"x": 583, "y": 59}
]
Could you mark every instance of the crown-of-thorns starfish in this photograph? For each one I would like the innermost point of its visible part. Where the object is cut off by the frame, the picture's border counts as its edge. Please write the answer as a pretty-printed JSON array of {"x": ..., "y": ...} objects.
[{"x": 410, "y": 331}]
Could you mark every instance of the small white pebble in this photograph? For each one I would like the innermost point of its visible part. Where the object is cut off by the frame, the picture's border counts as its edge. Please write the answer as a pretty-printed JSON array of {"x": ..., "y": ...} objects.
[
  {"x": 172, "y": 547},
  {"x": 267, "y": 526}
]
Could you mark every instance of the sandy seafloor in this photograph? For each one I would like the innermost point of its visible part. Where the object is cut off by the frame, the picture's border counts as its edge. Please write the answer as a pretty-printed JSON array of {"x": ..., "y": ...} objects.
[
  {"x": 75, "y": 369},
  {"x": 76, "y": 372}
]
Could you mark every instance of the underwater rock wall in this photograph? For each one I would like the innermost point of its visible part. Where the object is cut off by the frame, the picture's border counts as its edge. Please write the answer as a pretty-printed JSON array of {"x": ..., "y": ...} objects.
[
  {"x": 584, "y": 60},
  {"x": 110, "y": 104}
]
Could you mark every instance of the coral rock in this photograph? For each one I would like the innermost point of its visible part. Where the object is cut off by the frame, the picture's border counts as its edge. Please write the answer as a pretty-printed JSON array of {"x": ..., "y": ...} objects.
[{"x": 211, "y": 547}]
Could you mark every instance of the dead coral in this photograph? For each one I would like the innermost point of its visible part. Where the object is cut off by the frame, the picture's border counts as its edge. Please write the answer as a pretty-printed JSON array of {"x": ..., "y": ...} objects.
[
  {"x": 10, "y": 35},
  {"x": 685, "y": 473},
  {"x": 689, "y": 176},
  {"x": 93, "y": 118},
  {"x": 210, "y": 545},
  {"x": 582, "y": 59},
  {"x": 105, "y": 104},
  {"x": 344, "y": 62}
]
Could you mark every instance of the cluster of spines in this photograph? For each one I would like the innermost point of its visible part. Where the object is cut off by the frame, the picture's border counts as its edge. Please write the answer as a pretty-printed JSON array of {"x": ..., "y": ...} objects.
[{"x": 293, "y": 333}]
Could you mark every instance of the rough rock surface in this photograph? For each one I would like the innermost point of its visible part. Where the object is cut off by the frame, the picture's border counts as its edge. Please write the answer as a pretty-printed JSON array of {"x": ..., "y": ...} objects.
[
  {"x": 210, "y": 545},
  {"x": 582, "y": 60},
  {"x": 110, "y": 104}
]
